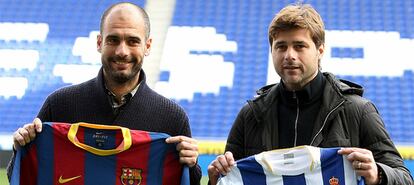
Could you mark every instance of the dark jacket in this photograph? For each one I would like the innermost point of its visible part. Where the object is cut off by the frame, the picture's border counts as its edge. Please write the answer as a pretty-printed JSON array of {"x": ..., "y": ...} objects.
[
  {"x": 146, "y": 110},
  {"x": 345, "y": 119}
]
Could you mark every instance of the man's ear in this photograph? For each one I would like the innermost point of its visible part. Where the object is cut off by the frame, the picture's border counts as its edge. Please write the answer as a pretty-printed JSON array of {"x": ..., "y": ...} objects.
[
  {"x": 99, "y": 43},
  {"x": 148, "y": 46},
  {"x": 321, "y": 51}
]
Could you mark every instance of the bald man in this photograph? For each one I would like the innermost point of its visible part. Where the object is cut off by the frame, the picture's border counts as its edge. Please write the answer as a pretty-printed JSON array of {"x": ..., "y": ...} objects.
[{"x": 119, "y": 94}]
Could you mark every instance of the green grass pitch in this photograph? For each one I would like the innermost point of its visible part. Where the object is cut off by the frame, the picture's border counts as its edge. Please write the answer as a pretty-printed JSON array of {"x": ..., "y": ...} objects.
[{"x": 3, "y": 177}]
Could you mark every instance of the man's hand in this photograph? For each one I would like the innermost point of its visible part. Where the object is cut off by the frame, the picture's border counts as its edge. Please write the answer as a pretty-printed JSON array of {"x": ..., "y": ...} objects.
[
  {"x": 363, "y": 162},
  {"x": 27, "y": 133},
  {"x": 187, "y": 147},
  {"x": 221, "y": 165}
]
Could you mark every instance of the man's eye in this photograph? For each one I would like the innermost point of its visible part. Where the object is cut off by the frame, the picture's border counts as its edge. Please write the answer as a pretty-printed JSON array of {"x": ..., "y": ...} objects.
[
  {"x": 299, "y": 46},
  {"x": 111, "y": 41},
  {"x": 280, "y": 47},
  {"x": 134, "y": 42}
]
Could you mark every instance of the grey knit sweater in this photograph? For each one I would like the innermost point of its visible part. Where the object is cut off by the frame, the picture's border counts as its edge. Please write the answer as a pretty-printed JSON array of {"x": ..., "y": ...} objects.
[{"x": 89, "y": 102}]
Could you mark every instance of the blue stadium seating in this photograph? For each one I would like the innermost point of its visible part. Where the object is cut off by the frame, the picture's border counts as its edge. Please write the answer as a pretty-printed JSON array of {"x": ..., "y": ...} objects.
[
  {"x": 67, "y": 20},
  {"x": 245, "y": 22}
]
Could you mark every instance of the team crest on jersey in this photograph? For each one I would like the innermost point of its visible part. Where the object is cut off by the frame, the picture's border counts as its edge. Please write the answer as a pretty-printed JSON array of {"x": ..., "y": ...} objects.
[
  {"x": 131, "y": 176},
  {"x": 333, "y": 181}
]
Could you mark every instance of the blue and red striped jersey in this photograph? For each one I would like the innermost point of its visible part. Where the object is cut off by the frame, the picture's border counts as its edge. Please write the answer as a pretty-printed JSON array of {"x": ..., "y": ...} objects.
[{"x": 91, "y": 154}]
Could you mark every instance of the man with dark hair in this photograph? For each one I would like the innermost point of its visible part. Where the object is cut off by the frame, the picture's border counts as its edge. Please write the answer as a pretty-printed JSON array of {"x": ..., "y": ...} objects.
[
  {"x": 309, "y": 107},
  {"x": 119, "y": 94}
]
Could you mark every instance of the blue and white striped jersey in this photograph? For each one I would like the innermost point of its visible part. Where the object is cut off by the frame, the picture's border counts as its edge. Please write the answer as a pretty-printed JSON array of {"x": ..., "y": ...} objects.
[{"x": 303, "y": 165}]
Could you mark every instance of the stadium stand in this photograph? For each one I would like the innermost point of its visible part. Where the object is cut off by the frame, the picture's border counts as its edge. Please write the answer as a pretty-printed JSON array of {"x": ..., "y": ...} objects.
[
  {"x": 215, "y": 55},
  {"x": 246, "y": 22}
]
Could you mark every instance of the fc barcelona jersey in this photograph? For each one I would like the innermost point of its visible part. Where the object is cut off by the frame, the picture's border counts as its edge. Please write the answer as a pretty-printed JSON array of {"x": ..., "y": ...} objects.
[
  {"x": 304, "y": 165},
  {"x": 90, "y": 154}
]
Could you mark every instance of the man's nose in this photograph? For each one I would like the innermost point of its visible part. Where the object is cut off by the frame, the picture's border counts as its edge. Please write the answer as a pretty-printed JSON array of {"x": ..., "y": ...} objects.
[
  {"x": 122, "y": 50},
  {"x": 290, "y": 54}
]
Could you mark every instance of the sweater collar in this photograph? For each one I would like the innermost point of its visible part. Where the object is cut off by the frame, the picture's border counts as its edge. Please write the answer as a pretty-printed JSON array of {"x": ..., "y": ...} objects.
[{"x": 101, "y": 82}]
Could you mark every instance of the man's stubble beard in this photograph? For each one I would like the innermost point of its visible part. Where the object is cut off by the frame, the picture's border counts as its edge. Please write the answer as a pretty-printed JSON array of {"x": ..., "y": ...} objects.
[{"x": 119, "y": 77}]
